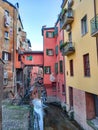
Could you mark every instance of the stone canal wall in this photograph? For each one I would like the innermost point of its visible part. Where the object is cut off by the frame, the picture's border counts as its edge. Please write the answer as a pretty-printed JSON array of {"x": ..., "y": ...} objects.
[{"x": 15, "y": 117}]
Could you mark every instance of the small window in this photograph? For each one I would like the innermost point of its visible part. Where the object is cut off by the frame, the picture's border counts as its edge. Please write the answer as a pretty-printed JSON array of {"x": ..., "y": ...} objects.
[
  {"x": 6, "y": 41},
  {"x": 5, "y": 81},
  {"x": 6, "y": 35},
  {"x": 61, "y": 66},
  {"x": 84, "y": 25},
  {"x": 56, "y": 68},
  {"x": 86, "y": 65},
  {"x": 56, "y": 50},
  {"x": 19, "y": 58},
  {"x": 63, "y": 89},
  {"x": 6, "y": 12},
  {"x": 71, "y": 68},
  {"x": 49, "y": 34},
  {"x": 49, "y": 52},
  {"x": 47, "y": 70},
  {"x": 70, "y": 37},
  {"x": 29, "y": 58},
  {"x": 6, "y": 56}
]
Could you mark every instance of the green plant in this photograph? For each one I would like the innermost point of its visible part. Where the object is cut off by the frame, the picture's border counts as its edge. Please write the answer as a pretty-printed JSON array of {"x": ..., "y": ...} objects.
[{"x": 63, "y": 45}]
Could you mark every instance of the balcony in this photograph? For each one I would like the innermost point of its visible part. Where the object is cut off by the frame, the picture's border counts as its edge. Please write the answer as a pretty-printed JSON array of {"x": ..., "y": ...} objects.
[
  {"x": 94, "y": 26},
  {"x": 67, "y": 48},
  {"x": 67, "y": 18}
]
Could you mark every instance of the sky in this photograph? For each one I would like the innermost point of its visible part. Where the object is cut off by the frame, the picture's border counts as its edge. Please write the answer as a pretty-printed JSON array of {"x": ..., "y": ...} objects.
[{"x": 36, "y": 13}]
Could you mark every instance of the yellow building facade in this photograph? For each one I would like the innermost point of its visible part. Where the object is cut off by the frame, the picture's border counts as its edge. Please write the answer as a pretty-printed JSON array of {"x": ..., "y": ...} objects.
[{"x": 80, "y": 24}]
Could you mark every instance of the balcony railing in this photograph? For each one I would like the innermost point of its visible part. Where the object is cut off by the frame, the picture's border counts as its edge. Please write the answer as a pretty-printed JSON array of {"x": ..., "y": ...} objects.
[
  {"x": 68, "y": 49},
  {"x": 67, "y": 18},
  {"x": 94, "y": 26}
]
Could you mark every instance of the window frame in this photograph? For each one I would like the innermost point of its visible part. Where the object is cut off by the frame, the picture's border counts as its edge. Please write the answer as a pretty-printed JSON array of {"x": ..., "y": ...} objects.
[
  {"x": 50, "y": 34},
  {"x": 61, "y": 66},
  {"x": 84, "y": 28},
  {"x": 48, "y": 52},
  {"x": 86, "y": 63},
  {"x": 71, "y": 67},
  {"x": 47, "y": 69},
  {"x": 6, "y": 56}
]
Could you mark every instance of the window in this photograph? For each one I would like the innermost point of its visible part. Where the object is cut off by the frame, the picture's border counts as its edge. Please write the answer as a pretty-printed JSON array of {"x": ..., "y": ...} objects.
[
  {"x": 70, "y": 37},
  {"x": 61, "y": 66},
  {"x": 56, "y": 68},
  {"x": 6, "y": 41},
  {"x": 56, "y": 50},
  {"x": 6, "y": 56},
  {"x": 49, "y": 52},
  {"x": 19, "y": 58},
  {"x": 6, "y": 13},
  {"x": 5, "y": 82},
  {"x": 71, "y": 68},
  {"x": 84, "y": 25},
  {"x": 6, "y": 19},
  {"x": 47, "y": 70},
  {"x": 63, "y": 89},
  {"x": 6, "y": 35},
  {"x": 86, "y": 65},
  {"x": 50, "y": 34},
  {"x": 29, "y": 57}
]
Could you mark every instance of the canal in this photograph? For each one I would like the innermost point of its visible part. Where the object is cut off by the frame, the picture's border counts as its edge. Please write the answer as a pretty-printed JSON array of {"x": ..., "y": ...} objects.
[{"x": 56, "y": 119}]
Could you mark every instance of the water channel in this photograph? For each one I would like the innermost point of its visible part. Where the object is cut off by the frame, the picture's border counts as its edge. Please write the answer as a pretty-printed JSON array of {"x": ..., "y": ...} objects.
[{"x": 56, "y": 119}]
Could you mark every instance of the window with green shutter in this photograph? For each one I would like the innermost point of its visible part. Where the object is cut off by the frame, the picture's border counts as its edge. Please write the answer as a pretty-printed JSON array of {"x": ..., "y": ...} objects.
[
  {"x": 49, "y": 52},
  {"x": 29, "y": 58},
  {"x": 47, "y": 70},
  {"x": 56, "y": 68},
  {"x": 61, "y": 66},
  {"x": 50, "y": 34},
  {"x": 56, "y": 50},
  {"x": 56, "y": 31}
]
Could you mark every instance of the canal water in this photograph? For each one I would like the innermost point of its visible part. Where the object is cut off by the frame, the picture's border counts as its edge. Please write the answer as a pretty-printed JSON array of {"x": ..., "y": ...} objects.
[{"x": 56, "y": 119}]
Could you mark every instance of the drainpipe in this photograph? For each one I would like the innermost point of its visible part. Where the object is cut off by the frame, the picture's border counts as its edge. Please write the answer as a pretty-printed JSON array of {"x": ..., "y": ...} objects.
[
  {"x": 64, "y": 69},
  {"x": 95, "y": 25},
  {"x": 13, "y": 49}
]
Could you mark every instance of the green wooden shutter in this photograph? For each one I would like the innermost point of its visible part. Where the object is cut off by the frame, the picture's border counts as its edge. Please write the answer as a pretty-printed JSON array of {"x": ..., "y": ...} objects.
[
  {"x": 61, "y": 66},
  {"x": 30, "y": 57},
  {"x": 46, "y": 51},
  {"x": 44, "y": 69},
  {"x": 46, "y": 34}
]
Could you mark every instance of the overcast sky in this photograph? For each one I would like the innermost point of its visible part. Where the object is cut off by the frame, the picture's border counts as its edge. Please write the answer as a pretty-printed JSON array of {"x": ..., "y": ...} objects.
[{"x": 36, "y": 13}]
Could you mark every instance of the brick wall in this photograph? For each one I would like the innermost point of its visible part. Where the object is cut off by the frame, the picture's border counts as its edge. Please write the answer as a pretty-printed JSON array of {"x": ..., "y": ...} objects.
[{"x": 79, "y": 102}]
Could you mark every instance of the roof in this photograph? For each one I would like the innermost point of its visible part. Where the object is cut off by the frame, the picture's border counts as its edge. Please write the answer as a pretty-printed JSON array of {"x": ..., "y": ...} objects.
[
  {"x": 33, "y": 52},
  {"x": 45, "y": 28}
]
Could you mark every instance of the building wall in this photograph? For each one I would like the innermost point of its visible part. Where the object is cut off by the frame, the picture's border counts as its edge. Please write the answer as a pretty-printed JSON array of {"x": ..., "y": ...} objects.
[
  {"x": 10, "y": 47},
  {"x": 49, "y": 43},
  {"x": 83, "y": 45},
  {"x": 37, "y": 59},
  {"x": 80, "y": 108},
  {"x": 60, "y": 76}
]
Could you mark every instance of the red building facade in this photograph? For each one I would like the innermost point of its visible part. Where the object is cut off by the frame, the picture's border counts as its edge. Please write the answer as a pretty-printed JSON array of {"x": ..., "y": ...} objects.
[{"x": 53, "y": 62}]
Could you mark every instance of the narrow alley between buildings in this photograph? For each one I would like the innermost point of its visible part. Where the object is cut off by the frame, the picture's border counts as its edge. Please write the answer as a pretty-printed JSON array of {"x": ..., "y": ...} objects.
[{"x": 56, "y": 119}]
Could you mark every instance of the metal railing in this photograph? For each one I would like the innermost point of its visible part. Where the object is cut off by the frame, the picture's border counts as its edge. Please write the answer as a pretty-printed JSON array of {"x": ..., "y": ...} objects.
[{"x": 94, "y": 24}]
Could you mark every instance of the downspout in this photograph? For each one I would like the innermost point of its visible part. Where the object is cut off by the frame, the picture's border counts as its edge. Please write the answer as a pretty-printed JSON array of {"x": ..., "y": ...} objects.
[
  {"x": 95, "y": 25},
  {"x": 13, "y": 50},
  {"x": 64, "y": 70}
]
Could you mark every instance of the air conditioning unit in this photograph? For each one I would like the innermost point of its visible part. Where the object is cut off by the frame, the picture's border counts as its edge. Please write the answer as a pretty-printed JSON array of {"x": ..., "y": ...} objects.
[{"x": 68, "y": 27}]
